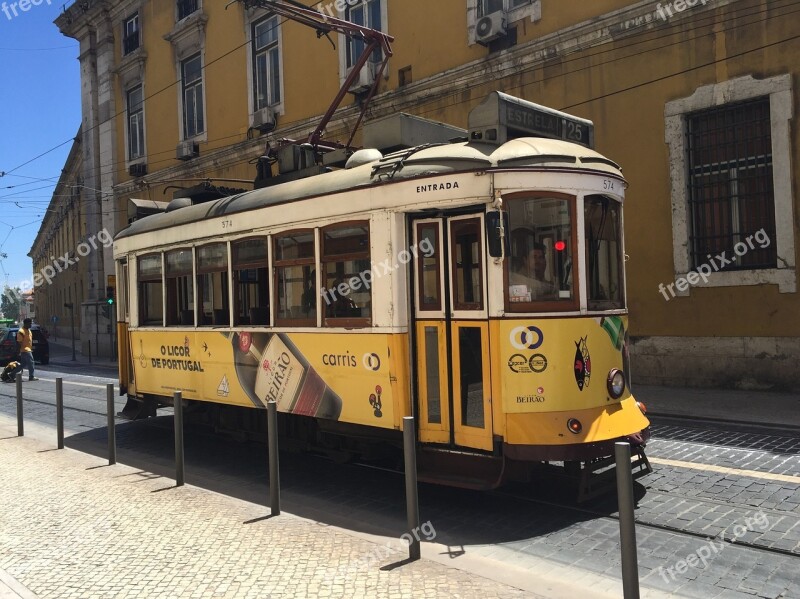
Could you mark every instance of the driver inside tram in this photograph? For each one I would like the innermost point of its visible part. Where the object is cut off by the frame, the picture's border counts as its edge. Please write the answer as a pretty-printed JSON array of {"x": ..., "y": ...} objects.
[{"x": 530, "y": 271}]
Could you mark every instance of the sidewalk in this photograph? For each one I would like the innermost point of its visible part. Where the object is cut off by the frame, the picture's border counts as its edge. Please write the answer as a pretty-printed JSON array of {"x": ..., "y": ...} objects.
[
  {"x": 73, "y": 527},
  {"x": 61, "y": 356},
  {"x": 746, "y": 407}
]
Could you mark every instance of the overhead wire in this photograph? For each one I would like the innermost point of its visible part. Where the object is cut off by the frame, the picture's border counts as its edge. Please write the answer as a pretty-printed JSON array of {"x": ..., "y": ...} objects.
[{"x": 698, "y": 24}]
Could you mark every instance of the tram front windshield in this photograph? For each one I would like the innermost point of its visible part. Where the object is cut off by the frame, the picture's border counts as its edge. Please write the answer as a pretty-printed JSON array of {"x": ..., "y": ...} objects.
[
  {"x": 540, "y": 261},
  {"x": 541, "y": 266}
]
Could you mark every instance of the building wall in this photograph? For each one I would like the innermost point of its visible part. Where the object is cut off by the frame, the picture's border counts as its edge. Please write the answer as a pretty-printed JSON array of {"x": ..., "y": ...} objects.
[
  {"x": 618, "y": 63},
  {"x": 63, "y": 229}
]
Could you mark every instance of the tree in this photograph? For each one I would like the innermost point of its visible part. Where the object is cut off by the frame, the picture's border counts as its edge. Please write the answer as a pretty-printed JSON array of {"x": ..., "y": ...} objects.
[{"x": 10, "y": 302}]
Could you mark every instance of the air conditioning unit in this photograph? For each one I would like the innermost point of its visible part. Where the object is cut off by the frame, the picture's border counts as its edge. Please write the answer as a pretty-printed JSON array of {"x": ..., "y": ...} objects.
[
  {"x": 264, "y": 120},
  {"x": 490, "y": 27},
  {"x": 365, "y": 79},
  {"x": 137, "y": 170},
  {"x": 187, "y": 150}
]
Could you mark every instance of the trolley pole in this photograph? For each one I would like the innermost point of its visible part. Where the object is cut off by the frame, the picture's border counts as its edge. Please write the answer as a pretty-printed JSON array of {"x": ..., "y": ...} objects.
[
  {"x": 177, "y": 402},
  {"x": 274, "y": 472},
  {"x": 627, "y": 527},
  {"x": 60, "y": 411},
  {"x": 412, "y": 498},
  {"x": 112, "y": 429},
  {"x": 20, "y": 422}
]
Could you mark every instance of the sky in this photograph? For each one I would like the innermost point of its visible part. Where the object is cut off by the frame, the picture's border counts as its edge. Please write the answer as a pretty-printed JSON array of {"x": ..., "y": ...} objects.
[{"x": 40, "y": 108}]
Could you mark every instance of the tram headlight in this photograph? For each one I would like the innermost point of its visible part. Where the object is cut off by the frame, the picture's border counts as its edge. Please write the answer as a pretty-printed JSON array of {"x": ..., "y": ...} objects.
[
  {"x": 574, "y": 425},
  {"x": 616, "y": 383}
]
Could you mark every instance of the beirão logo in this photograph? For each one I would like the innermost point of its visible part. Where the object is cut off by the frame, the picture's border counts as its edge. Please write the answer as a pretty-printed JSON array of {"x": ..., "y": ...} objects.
[{"x": 526, "y": 337}]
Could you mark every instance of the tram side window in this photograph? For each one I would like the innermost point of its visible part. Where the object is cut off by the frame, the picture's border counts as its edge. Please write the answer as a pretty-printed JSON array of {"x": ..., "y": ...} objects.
[
  {"x": 296, "y": 276},
  {"x": 604, "y": 253},
  {"x": 151, "y": 291},
  {"x": 180, "y": 288},
  {"x": 540, "y": 265},
  {"x": 212, "y": 285},
  {"x": 251, "y": 282},
  {"x": 346, "y": 275}
]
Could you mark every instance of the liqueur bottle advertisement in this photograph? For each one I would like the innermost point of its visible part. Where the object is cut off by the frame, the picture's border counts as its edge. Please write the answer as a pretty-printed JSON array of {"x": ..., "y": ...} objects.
[{"x": 335, "y": 376}]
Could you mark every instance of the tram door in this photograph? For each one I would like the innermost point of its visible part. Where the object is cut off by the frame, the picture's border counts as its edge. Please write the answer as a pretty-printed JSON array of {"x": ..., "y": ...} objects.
[{"x": 452, "y": 333}]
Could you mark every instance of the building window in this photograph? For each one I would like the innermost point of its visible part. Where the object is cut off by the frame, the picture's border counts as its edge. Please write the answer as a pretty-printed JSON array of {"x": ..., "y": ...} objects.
[
  {"x": 135, "y": 123},
  {"x": 212, "y": 285},
  {"x": 730, "y": 183},
  {"x": 346, "y": 275},
  {"x": 487, "y": 7},
  {"x": 368, "y": 14},
  {"x": 186, "y": 8},
  {"x": 192, "y": 85},
  {"x": 266, "y": 63},
  {"x": 151, "y": 306},
  {"x": 251, "y": 282},
  {"x": 180, "y": 288},
  {"x": 130, "y": 37},
  {"x": 730, "y": 156},
  {"x": 296, "y": 278}
]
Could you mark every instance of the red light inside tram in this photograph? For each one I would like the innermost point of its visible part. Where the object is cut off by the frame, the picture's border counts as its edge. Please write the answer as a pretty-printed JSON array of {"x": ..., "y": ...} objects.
[{"x": 560, "y": 246}]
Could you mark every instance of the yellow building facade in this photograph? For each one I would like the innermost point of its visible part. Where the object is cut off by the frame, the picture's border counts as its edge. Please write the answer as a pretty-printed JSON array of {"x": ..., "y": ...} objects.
[
  {"x": 694, "y": 98},
  {"x": 59, "y": 278}
]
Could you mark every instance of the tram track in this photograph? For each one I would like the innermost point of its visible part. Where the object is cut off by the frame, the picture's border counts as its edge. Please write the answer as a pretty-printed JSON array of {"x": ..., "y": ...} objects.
[{"x": 650, "y": 525}]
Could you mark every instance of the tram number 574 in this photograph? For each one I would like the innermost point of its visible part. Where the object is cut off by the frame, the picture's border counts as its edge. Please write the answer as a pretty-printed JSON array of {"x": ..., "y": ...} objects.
[{"x": 608, "y": 184}]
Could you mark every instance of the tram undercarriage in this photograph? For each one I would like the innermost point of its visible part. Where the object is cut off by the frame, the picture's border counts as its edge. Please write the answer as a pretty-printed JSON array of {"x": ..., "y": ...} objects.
[{"x": 588, "y": 468}]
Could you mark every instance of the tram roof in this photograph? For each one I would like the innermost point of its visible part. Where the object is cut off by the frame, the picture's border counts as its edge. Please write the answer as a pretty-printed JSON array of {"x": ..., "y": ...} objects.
[{"x": 422, "y": 161}]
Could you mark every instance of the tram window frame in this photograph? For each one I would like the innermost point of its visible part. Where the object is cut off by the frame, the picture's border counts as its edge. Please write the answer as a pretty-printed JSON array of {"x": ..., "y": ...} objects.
[
  {"x": 177, "y": 283},
  {"x": 262, "y": 283},
  {"x": 436, "y": 256},
  {"x": 599, "y": 303},
  {"x": 555, "y": 305},
  {"x": 327, "y": 258},
  {"x": 144, "y": 283},
  {"x": 279, "y": 266},
  {"x": 202, "y": 271},
  {"x": 455, "y": 224}
]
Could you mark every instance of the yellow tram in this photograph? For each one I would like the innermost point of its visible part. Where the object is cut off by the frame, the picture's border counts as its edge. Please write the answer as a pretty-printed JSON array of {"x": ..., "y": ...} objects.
[{"x": 477, "y": 285}]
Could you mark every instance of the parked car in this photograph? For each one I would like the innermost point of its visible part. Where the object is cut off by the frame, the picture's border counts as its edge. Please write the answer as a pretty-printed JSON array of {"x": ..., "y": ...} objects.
[{"x": 8, "y": 345}]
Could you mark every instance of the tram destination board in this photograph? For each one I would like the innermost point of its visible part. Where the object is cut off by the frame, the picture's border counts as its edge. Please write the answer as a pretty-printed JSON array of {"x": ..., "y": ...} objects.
[{"x": 502, "y": 117}]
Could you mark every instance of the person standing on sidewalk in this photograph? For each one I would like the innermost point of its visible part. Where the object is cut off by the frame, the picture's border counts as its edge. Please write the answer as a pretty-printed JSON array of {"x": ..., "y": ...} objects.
[{"x": 25, "y": 346}]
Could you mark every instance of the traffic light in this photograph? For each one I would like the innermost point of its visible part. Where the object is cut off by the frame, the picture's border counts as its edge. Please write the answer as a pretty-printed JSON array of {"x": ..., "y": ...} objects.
[{"x": 110, "y": 296}]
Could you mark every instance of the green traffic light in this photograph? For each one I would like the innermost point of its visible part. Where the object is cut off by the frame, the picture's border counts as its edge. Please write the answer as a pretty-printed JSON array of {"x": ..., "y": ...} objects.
[{"x": 110, "y": 301}]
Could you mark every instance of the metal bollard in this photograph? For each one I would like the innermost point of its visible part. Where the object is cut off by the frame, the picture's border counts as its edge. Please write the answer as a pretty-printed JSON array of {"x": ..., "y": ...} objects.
[
  {"x": 274, "y": 472},
  {"x": 20, "y": 423},
  {"x": 90, "y": 350},
  {"x": 112, "y": 429},
  {"x": 60, "y": 411},
  {"x": 412, "y": 498},
  {"x": 627, "y": 527},
  {"x": 177, "y": 402}
]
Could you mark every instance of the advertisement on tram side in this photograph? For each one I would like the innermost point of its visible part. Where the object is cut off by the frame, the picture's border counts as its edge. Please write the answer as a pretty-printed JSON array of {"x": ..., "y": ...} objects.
[
  {"x": 336, "y": 376},
  {"x": 555, "y": 366}
]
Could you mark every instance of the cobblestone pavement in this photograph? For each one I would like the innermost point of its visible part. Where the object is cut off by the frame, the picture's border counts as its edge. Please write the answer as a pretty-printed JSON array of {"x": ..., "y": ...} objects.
[
  {"x": 69, "y": 529},
  {"x": 538, "y": 539}
]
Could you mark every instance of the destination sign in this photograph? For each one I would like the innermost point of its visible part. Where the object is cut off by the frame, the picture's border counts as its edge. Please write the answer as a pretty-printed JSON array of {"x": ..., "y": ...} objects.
[
  {"x": 501, "y": 117},
  {"x": 534, "y": 122}
]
